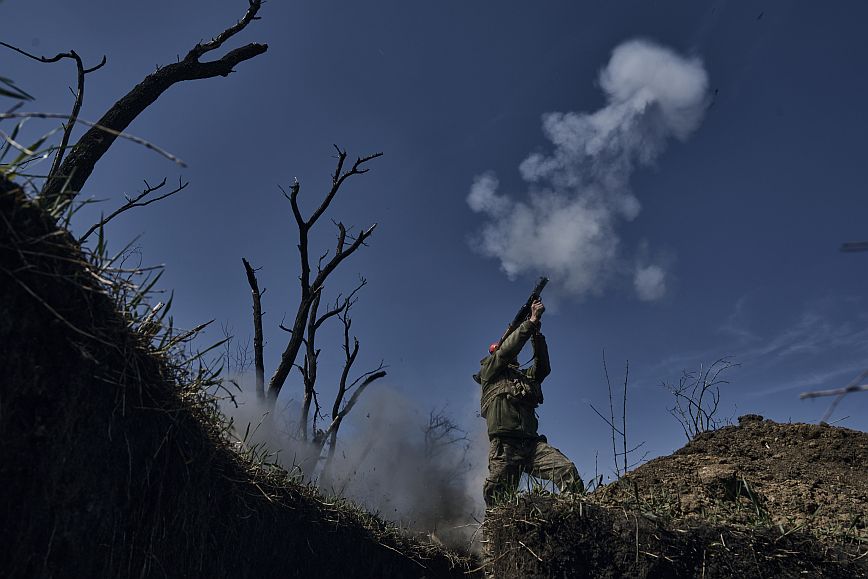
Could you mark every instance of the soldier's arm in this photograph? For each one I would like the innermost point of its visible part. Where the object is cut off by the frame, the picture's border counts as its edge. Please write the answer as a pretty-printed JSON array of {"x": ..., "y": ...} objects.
[
  {"x": 508, "y": 350},
  {"x": 541, "y": 365}
]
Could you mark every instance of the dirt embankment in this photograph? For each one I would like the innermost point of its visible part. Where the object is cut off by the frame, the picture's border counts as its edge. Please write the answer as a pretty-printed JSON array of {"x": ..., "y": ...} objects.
[
  {"x": 112, "y": 466},
  {"x": 760, "y": 499}
]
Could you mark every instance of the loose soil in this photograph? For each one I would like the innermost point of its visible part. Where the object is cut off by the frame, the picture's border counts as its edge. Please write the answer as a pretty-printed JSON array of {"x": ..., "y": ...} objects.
[
  {"x": 796, "y": 475},
  {"x": 760, "y": 499}
]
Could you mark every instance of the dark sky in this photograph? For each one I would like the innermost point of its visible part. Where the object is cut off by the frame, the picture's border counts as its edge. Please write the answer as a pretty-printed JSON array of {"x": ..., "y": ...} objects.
[{"x": 742, "y": 212}]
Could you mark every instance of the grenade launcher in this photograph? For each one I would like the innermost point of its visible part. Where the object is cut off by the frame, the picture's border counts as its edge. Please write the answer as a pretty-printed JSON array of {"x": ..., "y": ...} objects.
[{"x": 524, "y": 310}]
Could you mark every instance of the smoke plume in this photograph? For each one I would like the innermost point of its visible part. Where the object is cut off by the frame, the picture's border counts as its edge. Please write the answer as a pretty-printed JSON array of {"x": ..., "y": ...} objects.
[
  {"x": 566, "y": 227},
  {"x": 416, "y": 467}
]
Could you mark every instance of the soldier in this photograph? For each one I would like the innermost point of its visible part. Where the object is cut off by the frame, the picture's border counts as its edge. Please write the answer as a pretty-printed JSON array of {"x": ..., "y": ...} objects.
[{"x": 509, "y": 399}]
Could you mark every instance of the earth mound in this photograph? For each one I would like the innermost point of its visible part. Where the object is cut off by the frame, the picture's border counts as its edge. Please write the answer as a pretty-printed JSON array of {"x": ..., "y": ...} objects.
[
  {"x": 760, "y": 499},
  {"x": 794, "y": 475}
]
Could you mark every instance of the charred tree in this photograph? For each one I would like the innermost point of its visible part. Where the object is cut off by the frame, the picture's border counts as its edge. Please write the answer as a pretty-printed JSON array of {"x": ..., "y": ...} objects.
[{"x": 312, "y": 284}]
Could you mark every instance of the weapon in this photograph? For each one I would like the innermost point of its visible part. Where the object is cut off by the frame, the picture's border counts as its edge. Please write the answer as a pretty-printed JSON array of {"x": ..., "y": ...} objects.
[{"x": 524, "y": 310}]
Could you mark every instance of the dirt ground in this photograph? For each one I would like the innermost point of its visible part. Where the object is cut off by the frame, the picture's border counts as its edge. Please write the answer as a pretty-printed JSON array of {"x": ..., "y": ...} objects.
[
  {"x": 795, "y": 475},
  {"x": 760, "y": 499}
]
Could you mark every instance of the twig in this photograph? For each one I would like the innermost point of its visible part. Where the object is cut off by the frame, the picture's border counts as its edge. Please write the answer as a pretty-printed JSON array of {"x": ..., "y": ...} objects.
[
  {"x": 835, "y": 392},
  {"x": 134, "y": 202},
  {"x": 624, "y": 419},
  {"x": 79, "y": 97},
  {"x": 529, "y": 550},
  {"x": 612, "y": 415},
  {"x": 404, "y": 554},
  {"x": 854, "y": 246},
  {"x": 606, "y": 420}
]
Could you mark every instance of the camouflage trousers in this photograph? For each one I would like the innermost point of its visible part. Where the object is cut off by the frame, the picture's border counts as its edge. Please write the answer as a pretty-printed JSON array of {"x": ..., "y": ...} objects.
[{"x": 508, "y": 458}]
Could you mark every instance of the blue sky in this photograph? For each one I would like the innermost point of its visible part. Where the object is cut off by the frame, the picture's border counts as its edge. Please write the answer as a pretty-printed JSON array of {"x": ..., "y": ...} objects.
[{"x": 743, "y": 211}]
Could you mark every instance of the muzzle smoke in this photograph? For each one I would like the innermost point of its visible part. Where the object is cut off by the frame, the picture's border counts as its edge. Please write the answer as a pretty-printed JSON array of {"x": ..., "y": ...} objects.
[{"x": 410, "y": 465}]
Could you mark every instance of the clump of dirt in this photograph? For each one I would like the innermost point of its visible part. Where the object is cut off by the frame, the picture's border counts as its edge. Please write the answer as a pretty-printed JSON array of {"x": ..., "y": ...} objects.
[{"x": 760, "y": 499}]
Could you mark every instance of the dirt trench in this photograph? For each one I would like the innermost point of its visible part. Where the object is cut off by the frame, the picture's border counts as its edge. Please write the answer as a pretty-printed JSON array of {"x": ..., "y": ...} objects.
[{"x": 112, "y": 466}]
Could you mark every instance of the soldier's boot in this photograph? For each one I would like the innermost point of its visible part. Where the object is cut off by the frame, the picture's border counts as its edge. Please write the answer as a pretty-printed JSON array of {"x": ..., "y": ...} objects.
[{"x": 570, "y": 482}]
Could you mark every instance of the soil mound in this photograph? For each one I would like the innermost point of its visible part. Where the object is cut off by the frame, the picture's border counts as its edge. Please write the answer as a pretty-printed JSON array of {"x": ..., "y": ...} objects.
[
  {"x": 114, "y": 463},
  {"x": 760, "y": 499},
  {"x": 794, "y": 475}
]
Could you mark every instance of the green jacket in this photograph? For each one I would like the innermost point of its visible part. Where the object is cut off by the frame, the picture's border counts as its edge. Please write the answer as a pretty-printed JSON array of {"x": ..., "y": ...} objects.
[{"x": 510, "y": 395}]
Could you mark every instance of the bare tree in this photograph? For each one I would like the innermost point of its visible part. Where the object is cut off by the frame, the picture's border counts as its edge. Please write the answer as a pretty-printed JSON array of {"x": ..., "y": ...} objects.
[
  {"x": 442, "y": 434},
  {"x": 697, "y": 397},
  {"x": 309, "y": 318},
  {"x": 312, "y": 284}
]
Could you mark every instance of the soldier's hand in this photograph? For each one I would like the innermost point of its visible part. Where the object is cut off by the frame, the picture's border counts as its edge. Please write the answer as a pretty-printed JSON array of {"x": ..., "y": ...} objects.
[{"x": 536, "y": 310}]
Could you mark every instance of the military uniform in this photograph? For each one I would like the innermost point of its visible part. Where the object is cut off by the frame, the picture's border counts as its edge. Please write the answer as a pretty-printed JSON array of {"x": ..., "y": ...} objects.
[{"x": 508, "y": 404}]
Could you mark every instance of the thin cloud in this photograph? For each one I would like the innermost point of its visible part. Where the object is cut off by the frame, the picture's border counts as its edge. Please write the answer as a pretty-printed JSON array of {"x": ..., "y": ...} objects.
[{"x": 823, "y": 347}]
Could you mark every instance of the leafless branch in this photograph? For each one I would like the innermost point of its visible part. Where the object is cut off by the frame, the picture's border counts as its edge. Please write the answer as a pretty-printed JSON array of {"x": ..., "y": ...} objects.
[
  {"x": 134, "y": 202},
  {"x": 606, "y": 420},
  {"x": 612, "y": 416},
  {"x": 339, "y": 408},
  {"x": 853, "y": 246},
  {"x": 338, "y": 179},
  {"x": 621, "y": 468},
  {"x": 839, "y": 393},
  {"x": 835, "y": 391},
  {"x": 441, "y": 432},
  {"x": 624, "y": 414},
  {"x": 79, "y": 164},
  {"x": 79, "y": 97},
  {"x": 309, "y": 368}
]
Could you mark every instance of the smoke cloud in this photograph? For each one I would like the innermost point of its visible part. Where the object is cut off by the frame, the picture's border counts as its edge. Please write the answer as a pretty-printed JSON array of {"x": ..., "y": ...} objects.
[
  {"x": 389, "y": 460},
  {"x": 579, "y": 193}
]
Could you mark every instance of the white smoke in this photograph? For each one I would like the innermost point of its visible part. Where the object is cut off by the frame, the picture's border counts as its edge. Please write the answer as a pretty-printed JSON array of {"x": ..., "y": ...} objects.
[
  {"x": 650, "y": 283},
  {"x": 566, "y": 227}
]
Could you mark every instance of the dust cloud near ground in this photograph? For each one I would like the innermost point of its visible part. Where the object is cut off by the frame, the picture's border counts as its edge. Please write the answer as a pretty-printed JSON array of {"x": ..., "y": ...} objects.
[{"x": 393, "y": 458}]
